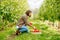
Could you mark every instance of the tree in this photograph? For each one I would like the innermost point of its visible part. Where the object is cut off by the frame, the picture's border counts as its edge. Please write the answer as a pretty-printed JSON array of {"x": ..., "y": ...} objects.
[
  {"x": 11, "y": 10},
  {"x": 50, "y": 10}
]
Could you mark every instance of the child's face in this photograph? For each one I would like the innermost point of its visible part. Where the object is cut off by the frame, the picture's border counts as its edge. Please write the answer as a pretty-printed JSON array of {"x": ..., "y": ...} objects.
[{"x": 30, "y": 14}]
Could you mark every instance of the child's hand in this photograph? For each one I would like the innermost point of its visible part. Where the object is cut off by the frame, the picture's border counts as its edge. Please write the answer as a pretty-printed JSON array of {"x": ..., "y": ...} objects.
[
  {"x": 34, "y": 27},
  {"x": 30, "y": 23}
]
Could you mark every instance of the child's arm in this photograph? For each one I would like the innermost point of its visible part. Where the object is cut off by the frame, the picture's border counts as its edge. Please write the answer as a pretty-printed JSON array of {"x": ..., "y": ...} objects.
[{"x": 32, "y": 26}]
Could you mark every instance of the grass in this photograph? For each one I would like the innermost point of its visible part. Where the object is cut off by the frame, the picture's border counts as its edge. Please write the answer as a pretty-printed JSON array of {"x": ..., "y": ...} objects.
[{"x": 47, "y": 33}]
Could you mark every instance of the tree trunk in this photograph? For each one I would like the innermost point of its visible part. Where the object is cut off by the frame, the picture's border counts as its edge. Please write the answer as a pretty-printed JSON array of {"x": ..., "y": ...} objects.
[{"x": 59, "y": 26}]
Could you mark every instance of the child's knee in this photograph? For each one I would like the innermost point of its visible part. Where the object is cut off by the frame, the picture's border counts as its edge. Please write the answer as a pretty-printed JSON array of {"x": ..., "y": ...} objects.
[{"x": 24, "y": 30}]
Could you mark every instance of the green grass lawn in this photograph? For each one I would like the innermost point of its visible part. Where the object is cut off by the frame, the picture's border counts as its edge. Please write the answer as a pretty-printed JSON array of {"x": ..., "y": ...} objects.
[{"x": 47, "y": 33}]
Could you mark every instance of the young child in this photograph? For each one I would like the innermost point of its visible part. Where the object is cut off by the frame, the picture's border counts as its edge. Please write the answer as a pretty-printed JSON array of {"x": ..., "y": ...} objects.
[{"x": 23, "y": 23}]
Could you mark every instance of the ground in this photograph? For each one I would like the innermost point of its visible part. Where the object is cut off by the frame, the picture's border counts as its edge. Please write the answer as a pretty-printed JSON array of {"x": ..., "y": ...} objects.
[{"x": 48, "y": 33}]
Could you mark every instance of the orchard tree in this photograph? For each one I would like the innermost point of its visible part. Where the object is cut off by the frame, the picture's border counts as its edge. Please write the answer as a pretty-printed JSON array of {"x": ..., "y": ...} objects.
[
  {"x": 50, "y": 10},
  {"x": 11, "y": 10}
]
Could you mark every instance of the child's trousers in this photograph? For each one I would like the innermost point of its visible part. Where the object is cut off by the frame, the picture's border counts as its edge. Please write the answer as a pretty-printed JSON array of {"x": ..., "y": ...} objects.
[{"x": 23, "y": 28}]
